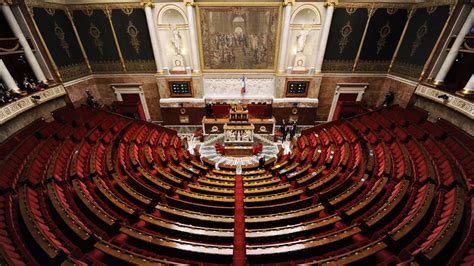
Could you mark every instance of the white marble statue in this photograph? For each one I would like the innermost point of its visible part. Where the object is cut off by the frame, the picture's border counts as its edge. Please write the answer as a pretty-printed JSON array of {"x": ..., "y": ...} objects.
[
  {"x": 176, "y": 40},
  {"x": 301, "y": 40}
]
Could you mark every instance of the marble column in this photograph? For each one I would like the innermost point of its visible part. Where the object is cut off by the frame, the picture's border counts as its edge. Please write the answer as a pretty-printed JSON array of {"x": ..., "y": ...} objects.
[
  {"x": 468, "y": 89},
  {"x": 7, "y": 78},
  {"x": 30, "y": 57},
  {"x": 193, "y": 36},
  {"x": 453, "y": 52},
  {"x": 284, "y": 37},
  {"x": 153, "y": 36},
  {"x": 324, "y": 37}
]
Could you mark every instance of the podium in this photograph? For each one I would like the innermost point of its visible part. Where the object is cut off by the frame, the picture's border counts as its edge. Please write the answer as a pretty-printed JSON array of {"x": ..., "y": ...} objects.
[{"x": 238, "y": 130}]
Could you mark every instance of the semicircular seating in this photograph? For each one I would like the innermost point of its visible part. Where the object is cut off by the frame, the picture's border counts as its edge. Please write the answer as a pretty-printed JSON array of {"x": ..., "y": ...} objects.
[{"x": 93, "y": 187}]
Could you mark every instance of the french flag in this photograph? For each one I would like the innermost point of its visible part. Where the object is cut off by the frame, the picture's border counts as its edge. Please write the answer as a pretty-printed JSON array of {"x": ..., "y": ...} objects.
[{"x": 242, "y": 90}]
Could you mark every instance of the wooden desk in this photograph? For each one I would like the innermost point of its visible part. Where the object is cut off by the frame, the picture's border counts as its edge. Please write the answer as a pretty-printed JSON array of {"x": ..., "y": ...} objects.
[{"x": 238, "y": 151}]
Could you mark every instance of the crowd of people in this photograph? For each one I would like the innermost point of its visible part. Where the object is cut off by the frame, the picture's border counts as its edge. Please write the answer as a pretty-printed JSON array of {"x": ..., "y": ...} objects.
[
  {"x": 27, "y": 86},
  {"x": 287, "y": 130}
]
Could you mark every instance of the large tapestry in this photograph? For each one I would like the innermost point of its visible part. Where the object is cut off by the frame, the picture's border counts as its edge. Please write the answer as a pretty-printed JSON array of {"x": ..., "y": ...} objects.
[{"x": 239, "y": 38}]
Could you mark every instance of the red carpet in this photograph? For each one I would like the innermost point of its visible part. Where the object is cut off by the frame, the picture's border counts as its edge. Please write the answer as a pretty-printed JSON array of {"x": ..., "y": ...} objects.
[{"x": 239, "y": 223}]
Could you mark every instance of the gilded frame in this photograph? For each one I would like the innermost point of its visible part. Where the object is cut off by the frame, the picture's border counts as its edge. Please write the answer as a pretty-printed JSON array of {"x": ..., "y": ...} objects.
[
  {"x": 187, "y": 80},
  {"x": 309, "y": 82},
  {"x": 239, "y": 4}
]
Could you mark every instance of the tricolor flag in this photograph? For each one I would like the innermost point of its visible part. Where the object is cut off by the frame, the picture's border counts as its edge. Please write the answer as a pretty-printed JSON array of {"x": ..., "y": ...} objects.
[{"x": 242, "y": 90}]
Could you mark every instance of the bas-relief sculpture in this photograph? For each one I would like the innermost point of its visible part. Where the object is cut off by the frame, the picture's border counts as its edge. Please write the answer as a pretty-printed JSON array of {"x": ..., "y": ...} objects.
[
  {"x": 238, "y": 135},
  {"x": 239, "y": 37},
  {"x": 226, "y": 88}
]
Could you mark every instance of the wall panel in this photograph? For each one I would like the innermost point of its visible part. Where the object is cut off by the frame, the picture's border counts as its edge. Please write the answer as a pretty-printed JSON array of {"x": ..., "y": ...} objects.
[
  {"x": 58, "y": 35},
  {"x": 423, "y": 31},
  {"x": 383, "y": 34},
  {"x": 347, "y": 28}
]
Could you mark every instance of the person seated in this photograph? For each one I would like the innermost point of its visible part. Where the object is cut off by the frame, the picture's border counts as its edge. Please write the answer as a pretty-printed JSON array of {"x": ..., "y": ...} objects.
[
  {"x": 43, "y": 85},
  {"x": 6, "y": 95}
]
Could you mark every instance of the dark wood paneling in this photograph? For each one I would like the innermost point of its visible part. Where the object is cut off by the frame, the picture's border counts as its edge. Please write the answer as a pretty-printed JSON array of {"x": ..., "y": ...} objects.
[
  {"x": 306, "y": 116},
  {"x": 171, "y": 115}
]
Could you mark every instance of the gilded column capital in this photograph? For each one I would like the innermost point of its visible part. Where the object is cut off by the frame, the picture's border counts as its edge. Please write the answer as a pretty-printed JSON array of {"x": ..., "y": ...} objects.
[
  {"x": 330, "y": 3},
  {"x": 148, "y": 4},
  {"x": 189, "y": 2},
  {"x": 289, "y": 2}
]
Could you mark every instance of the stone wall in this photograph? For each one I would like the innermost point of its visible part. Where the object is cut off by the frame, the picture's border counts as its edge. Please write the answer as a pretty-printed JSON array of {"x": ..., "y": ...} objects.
[{"x": 100, "y": 87}]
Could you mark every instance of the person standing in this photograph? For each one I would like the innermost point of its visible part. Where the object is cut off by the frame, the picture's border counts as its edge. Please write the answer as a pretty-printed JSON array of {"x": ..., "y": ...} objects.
[
  {"x": 283, "y": 130},
  {"x": 261, "y": 162},
  {"x": 293, "y": 130},
  {"x": 91, "y": 100}
]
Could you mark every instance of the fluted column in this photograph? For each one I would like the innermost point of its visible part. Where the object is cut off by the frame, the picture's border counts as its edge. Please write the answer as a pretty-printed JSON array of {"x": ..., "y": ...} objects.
[
  {"x": 153, "y": 36},
  {"x": 284, "y": 36},
  {"x": 7, "y": 78},
  {"x": 324, "y": 37},
  {"x": 453, "y": 52},
  {"x": 193, "y": 35},
  {"x": 30, "y": 57}
]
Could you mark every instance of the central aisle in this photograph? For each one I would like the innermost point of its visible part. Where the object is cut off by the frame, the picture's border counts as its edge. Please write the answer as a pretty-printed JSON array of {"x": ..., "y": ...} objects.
[{"x": 239, "y": 223}]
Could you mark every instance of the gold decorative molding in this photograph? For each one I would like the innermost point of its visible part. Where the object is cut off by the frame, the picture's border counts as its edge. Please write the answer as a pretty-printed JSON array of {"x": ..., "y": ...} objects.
[
  {"x": 351, "y": 10},
  {"x": 420, "y": 33},
  {"x": 410, "y": 71},
  {"x": 95, "y": 33},
  {"x": 288, "y": 2},
  {"x": 108, "y": 14},
  {"x": 189, "y": 2},
  {"x": 370, "y": 13},
  {"x": 73, "y": 71},
  {"x": 337, "y": 65},
  {"x": 392, "y": 10},
  {"x": 132, "y": 32},
  {"x": 345, "y": 31},
  {"x": 43, "y": 4},
  {"x": 383, "y": 34},
  {"x": 106, "y": 66},
  {"x": 148, "y": 4},
  {"x": 239, "y": 4},
  {"x": 373, "y": 66},
  {"x": 127, "y": 10},
  {"x": 18, "y": 107},
  {"x": 100, "y": 6},
  {"x": 58, "y": 31},
  {"x": 410, "y": 14},
  {"x": 81, "y": 46},
  {"x": 141, "y": 66}
]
